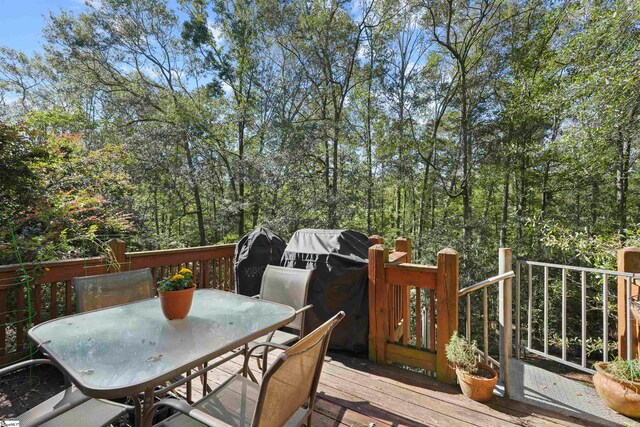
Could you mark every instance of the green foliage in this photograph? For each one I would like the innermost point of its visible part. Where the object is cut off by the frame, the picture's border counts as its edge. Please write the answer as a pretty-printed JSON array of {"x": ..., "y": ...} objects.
[
  {"x": 179, "y": 281},
  {"x": 462, "y": 354},
  {"x": 624, "y": 369},
  {"x": 179, "y": 125},
  {"x": 62, "y": 213},
  {"x": 23, "y": 162}
]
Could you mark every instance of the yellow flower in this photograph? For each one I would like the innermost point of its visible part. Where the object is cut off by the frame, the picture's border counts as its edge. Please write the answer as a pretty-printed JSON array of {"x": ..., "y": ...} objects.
[
  {"x": 185, "y": 270},
  {"x": 177, "y": 277}
]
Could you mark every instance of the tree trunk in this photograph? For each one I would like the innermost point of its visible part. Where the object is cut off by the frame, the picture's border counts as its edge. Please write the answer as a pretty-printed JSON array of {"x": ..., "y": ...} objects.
[
  {"x": 241, "y": 129},
  {"x": 196, "y": 194},
  {"x": 545, "y": 190},
  {"x": 622, "y": 180},
  {"x": 155, "y": 210},
  {"x": 369, "y": 142},
  {"x": 333, "y": 205},
  {"x": 505, "y": 209},
  {"x": 466, "y": 162},
  {"x": 522, "y": 196}
]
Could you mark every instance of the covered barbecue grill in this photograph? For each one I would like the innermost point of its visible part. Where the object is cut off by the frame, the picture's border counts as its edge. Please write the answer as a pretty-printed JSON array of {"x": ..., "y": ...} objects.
[{"x": 339, "y": 281}]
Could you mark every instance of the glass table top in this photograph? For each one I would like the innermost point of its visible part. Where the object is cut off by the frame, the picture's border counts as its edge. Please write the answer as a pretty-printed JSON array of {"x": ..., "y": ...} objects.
[{"x": 124, "y": 349}]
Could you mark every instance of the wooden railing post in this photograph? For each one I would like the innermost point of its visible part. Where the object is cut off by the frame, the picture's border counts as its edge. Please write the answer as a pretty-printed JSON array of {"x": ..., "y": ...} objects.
[
  {"x": 403, "y": 244},
  {"x": 378, "y": 304},
  {"x": 505, "y": 316},
  {"x": 629, "y": 262},
  {"x": 376, "y": 240},
  {"x": 118, "y": 248},
  {"x": 447, "y": 304}
]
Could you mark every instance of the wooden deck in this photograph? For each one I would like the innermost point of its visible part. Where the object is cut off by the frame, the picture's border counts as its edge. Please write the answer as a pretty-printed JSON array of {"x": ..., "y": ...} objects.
[
  {"x": 356, "y": 392},
  {"x": 352, "y": 392}
]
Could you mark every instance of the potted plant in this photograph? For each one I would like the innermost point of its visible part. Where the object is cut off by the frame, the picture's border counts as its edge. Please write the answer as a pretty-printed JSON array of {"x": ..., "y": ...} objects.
[
  {"x": 476, "y": 379},
  {"x": 176, "y": 294},
  {"x": 618, "y": 384}
]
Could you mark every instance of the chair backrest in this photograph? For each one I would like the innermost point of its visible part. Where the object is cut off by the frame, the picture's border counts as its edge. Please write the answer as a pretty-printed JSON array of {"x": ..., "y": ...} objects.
[
  {"x": 105, "y": 290},
  {"x": 288, "y": 286},
  {"x": 292, "y": 380}
]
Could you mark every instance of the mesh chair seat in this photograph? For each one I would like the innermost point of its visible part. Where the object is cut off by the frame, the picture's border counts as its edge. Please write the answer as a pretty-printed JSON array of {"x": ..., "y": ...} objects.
[
  {"x": 234, "y": 402},
  {"x": 106, "y": 290},
  {"x": 288, "y": 286},
  {"x": 100, "y": 412}
]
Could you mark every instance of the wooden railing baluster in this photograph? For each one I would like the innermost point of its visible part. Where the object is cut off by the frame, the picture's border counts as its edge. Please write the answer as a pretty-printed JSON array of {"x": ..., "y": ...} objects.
[
  {"x": 53, "y": 308},
  {"x": 20, "y": 318},
  {"x": 418, "y": 317},
  {"x": 432, "y": 320},
  {"x": 68, "y": 297},
  {"x": 37, "y": 303},
  {"x": 3, "y": 320},
  {"x": 406, "y": 316}
]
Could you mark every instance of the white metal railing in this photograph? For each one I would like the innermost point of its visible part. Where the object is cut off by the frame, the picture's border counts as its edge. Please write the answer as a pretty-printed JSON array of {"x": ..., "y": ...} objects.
[
  {"x": 566, "y": 271},
  {"x": 504, "y": 279}
]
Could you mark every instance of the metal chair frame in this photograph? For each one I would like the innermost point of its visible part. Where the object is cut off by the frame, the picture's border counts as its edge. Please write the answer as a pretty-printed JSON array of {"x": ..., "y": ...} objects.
[{"x": 209, "y": 420}]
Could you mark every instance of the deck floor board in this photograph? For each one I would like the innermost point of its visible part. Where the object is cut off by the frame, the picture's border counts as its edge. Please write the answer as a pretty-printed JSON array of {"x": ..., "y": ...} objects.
[{"x": 356, "y": 392}]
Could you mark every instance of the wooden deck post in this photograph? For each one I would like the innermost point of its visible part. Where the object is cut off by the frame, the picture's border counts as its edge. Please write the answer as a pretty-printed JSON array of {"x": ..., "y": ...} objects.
[
  {"x": 505, "y": 318},
  {"x": 378, "y": 304},
  {"x": 403, "y": 244},
  {"x": 118, "y": 247},
  {"x": 628, "y": 261},
  {"x": 376, "y": 240},
  {"x": 447, "y": 305}
]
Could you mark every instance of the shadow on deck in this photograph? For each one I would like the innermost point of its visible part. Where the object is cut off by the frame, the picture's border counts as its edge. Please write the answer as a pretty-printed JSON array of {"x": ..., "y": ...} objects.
[
  {"x": 352, "y": 392},
  {"x": 356, "y": 392},
  {"x": 545, "y": 389}
]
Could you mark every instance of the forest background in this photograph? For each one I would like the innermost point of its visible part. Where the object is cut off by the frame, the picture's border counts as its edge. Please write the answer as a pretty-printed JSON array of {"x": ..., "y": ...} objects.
[{"x": 472, "y": 124}]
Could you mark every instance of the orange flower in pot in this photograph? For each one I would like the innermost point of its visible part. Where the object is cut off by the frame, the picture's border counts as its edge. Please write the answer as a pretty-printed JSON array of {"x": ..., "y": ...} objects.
[{"x": 176, "y": 294}]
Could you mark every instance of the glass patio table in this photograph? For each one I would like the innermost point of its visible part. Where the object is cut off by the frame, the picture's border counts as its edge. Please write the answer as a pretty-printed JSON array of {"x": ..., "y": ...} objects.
[{"x": 131, "y": 348}]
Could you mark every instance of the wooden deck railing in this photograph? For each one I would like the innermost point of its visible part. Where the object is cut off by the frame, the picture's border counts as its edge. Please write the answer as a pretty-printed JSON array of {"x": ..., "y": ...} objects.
[
  {"x": 52, "y": 293},
  {"x": 405, "y": 299}
]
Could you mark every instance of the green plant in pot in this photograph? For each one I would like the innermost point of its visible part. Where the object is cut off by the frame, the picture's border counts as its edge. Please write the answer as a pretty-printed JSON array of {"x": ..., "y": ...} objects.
[
  {"x": 618, "y": 384},
  {"x": 477, "y": 380},
  {"x": 176, "y": 294}
]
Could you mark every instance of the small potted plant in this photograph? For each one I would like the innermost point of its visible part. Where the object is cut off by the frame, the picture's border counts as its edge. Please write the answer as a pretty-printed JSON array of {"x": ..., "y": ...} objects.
[
  {"x": 176, "y": 294},
  {"x": 618, "y": 384},
  {"x": 476, "y": 379}
]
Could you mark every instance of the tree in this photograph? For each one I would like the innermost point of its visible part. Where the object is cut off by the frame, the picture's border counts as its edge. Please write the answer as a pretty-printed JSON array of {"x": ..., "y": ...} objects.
[{"x": 465, "y": 29}]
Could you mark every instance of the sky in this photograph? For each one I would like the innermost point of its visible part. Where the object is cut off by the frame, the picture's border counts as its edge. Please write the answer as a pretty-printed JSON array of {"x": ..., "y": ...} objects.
[{"x": 22, "y": 21}]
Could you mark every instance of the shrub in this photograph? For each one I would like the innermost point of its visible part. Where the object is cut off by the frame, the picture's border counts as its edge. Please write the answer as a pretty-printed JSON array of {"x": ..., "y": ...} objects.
[
  {"x": 462, "y": 354},
  {"x": 628, "y": 370}
]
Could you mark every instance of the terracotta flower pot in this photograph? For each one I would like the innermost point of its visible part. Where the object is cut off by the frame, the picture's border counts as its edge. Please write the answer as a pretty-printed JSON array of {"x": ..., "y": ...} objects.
[
  {"x": 475, "y": 387},
  {"x": 620, "y": 395},
  {"x": 176, "y": 304}
]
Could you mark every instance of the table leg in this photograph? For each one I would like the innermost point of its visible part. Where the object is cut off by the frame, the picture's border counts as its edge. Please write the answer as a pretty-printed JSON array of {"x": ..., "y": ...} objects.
[
  {"x": 148, "y": 410},
  {"x": 138, "y": 409}
]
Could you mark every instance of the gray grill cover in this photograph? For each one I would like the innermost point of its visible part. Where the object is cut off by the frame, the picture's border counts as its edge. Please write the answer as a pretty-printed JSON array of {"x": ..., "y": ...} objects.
[
  {"x": 339, "y": 259},
  {"x": 254, "y": 252}
]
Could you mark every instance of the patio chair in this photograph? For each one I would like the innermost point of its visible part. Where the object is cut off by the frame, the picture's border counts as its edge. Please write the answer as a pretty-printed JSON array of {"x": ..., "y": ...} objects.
[
  {"x": 288, "y": 286},
  {"x": 285, "y": 396},
  {"x": 71, "y": 407},
  {"x": 106, "y": 290},
  {"x": 68, "y": 408}
]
